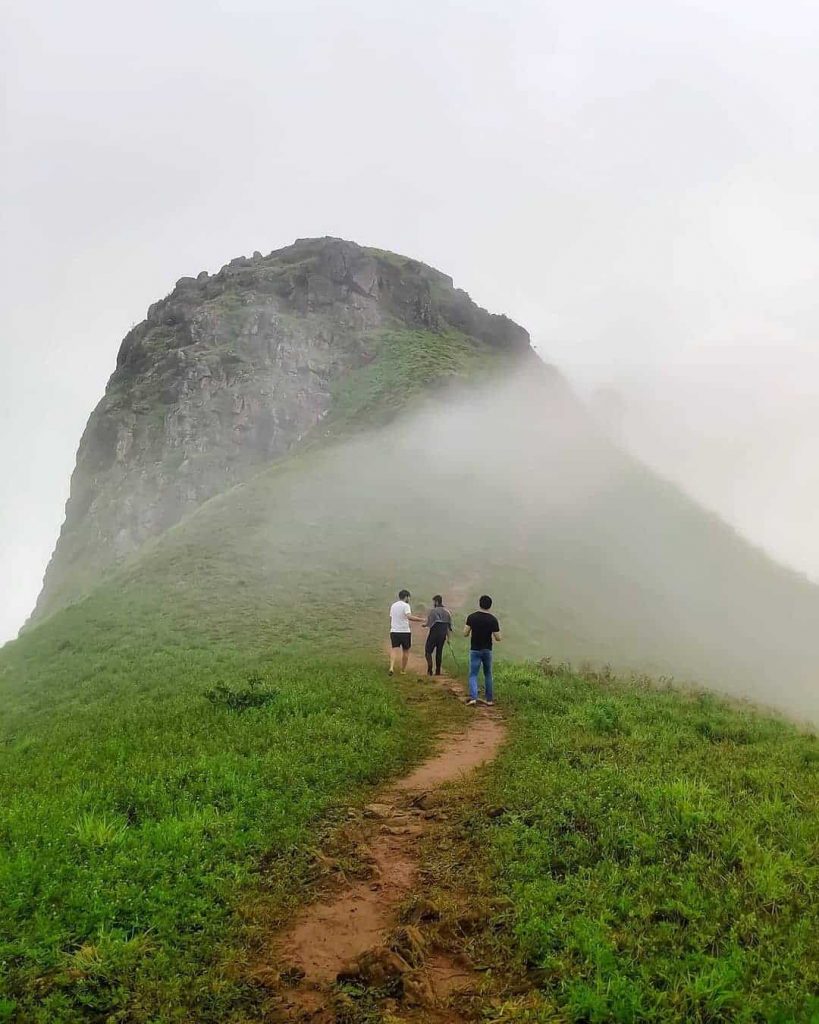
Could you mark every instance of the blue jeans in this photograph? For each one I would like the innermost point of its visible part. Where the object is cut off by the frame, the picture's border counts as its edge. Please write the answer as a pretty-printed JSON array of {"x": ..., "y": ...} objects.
[{"x": 476, "y": 659}]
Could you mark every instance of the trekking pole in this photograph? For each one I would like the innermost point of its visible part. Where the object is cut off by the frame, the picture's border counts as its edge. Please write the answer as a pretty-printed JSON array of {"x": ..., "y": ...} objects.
[{"x": 452, "y": 652}]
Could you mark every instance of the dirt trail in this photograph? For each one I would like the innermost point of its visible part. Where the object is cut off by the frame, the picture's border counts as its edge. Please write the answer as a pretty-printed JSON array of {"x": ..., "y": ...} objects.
[{"x": 354, "y": 933}]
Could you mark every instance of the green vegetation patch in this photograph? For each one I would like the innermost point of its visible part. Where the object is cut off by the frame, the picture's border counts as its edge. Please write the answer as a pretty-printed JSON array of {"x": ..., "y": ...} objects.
[
  {"x": 658, "y": 852},
  {"x": 145, "y": 777},
  {"x": 405, "y": 365}
]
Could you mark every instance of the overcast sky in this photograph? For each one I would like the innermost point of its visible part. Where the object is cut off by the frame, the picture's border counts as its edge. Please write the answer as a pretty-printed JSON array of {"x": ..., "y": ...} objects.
[{"x": 636, "y": 182}]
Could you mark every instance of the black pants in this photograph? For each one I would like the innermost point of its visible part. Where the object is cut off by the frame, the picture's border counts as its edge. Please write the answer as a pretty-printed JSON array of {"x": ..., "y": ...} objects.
[{"x": 435, "y": 642}]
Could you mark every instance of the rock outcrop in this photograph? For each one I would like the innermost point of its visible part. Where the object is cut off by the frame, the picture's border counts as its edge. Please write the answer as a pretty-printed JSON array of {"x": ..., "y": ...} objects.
[{"x": 229, "y": 372}]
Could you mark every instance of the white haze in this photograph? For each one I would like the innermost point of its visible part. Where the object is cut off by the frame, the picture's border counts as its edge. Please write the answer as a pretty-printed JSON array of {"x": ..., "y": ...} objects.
[
  {"x": 745, "y": 447},
  {"x": 634, "y": 182},
  {"x": 509, "y": 488}
]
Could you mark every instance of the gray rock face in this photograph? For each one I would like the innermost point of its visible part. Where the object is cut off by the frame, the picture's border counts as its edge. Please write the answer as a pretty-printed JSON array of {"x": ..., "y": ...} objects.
[{"x": 229, "y": 372}]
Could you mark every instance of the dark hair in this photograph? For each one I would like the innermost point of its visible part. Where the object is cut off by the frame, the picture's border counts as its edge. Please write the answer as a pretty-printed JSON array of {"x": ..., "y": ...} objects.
[
  {"x": 485, "y": 602},
  {"x": 403, "y": 595},
  {"x": 437, "y": 600}
]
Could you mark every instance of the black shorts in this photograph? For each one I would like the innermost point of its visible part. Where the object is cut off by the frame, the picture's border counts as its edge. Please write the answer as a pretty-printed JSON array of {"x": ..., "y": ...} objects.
[{"x": 401, "y": 640}]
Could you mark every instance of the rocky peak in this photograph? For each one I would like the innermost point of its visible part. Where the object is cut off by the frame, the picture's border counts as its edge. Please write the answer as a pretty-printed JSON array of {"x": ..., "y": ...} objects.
[{"x": 230, "y": 371}]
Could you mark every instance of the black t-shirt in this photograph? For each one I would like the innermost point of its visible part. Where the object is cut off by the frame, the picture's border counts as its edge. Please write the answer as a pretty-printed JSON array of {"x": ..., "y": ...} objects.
[{"x": 483, "y": 625}]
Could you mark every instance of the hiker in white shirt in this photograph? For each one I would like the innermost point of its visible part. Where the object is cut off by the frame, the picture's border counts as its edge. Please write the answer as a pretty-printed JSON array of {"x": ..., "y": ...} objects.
[{"x": 400, "y": 630}]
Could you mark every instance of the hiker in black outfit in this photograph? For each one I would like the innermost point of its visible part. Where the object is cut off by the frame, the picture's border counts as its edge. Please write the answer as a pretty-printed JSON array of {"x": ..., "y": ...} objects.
[
  {"x": 483, "y": 627},
  {"x": 439, "y": 624}
]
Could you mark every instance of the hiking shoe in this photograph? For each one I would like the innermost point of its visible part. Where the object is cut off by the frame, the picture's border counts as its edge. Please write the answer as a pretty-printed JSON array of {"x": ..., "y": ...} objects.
[
  {"x": 391, "y": 672},
  {"x": 489, "y": 703},
  {"x": 471, "y": 703}
]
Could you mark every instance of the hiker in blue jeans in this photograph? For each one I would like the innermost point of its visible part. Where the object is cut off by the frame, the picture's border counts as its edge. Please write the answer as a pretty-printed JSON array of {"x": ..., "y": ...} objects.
[{"x": 483, "y": 628}]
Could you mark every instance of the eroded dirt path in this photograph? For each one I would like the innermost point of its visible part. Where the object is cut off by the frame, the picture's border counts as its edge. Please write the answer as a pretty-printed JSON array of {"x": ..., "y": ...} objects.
[{"x": 353, "y": 934}]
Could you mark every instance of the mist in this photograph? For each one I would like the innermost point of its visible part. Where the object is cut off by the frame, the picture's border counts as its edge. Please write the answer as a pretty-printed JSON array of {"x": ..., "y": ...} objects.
[
  {"x": 741, "y": 447},
  {"x": 512, "y": 489},
  {"x": 633, "y": 183}
]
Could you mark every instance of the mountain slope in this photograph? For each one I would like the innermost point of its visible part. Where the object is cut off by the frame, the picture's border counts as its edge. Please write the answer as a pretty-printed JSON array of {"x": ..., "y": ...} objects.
[
  {"x": 431, "y": 445},
  {"x": 590, "y": 557}
]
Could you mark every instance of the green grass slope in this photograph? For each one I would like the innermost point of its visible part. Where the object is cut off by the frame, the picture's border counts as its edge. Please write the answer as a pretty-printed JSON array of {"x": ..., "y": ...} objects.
[
  {"x": 136, "y": 812},
  {"x": 650, "y": 856}
]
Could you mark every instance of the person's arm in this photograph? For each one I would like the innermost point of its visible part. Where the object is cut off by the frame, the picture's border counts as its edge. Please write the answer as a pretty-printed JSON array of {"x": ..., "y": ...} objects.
[
  {"x": 413, "y": 618},
  {"x": 497, "y": 632}
]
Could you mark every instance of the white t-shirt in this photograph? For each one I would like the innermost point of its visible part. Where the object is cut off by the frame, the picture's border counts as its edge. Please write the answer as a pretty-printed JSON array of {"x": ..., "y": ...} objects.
[{"x": 399, "y": 623}]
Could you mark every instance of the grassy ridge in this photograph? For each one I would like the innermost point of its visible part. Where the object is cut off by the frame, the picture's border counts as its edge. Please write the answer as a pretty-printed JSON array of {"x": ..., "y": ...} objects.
[{"x": 657, "y": 854}]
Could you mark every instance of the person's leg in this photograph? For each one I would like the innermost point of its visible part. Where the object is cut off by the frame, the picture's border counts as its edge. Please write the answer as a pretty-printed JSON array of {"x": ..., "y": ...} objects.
[
  {"x": 405, "y": 656},
  {"x": 439, "y": 651},
  {"x": 393, "y": 652},
  {"x": 488, "y": 680},
  {"x": 474, "y": 666},
  {"x": 428, "y": 648}
]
